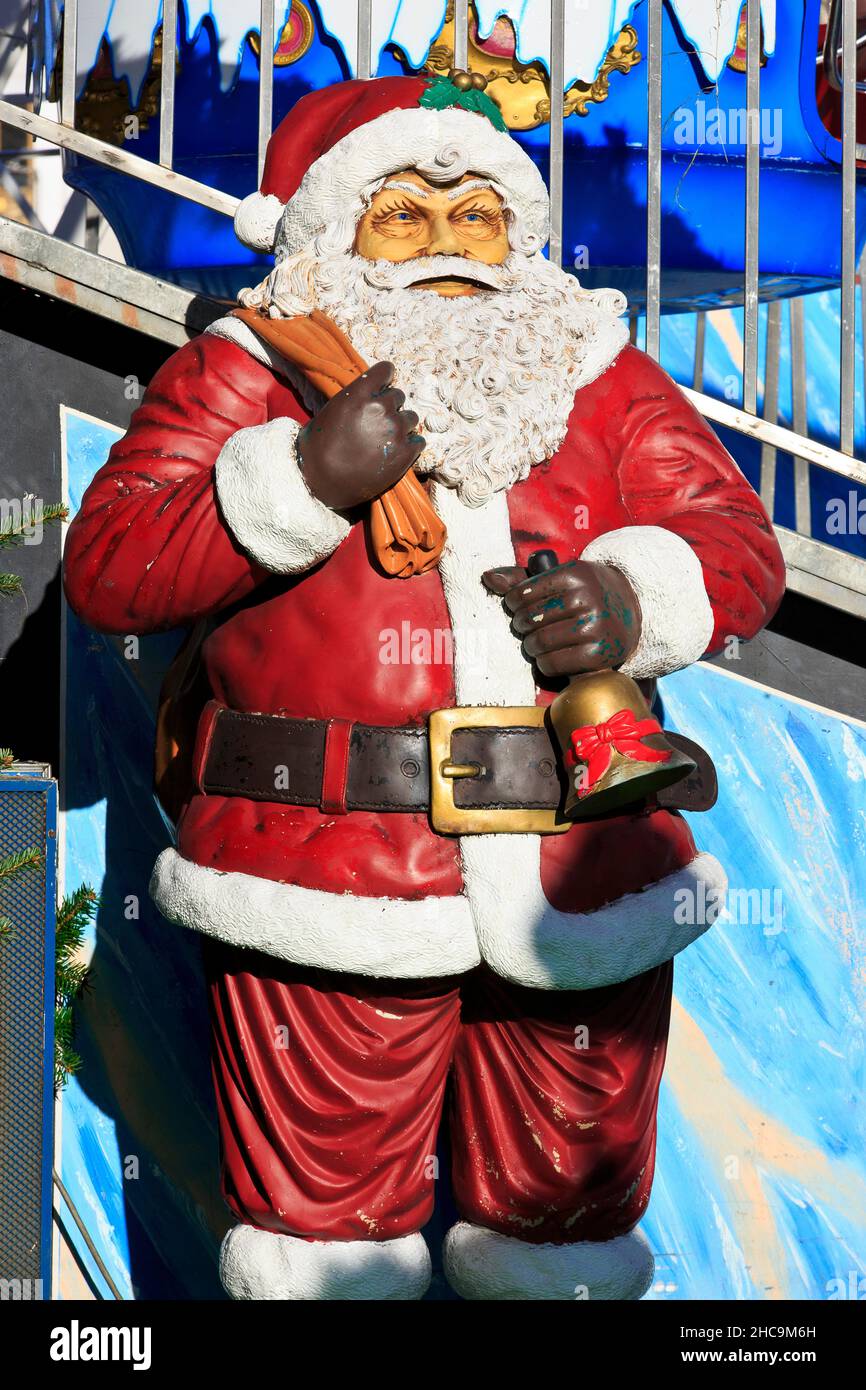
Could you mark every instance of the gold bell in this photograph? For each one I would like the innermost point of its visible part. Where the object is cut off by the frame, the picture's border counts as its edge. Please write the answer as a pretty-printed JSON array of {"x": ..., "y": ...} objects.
[{"x": 615, "y": 751}]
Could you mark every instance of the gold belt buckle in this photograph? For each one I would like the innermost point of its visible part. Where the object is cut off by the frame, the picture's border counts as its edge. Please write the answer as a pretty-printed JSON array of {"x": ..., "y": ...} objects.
[{"x": 449, "y": 819}]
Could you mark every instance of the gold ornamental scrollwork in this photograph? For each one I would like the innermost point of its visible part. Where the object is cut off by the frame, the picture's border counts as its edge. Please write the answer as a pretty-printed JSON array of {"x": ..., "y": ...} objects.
[
  {"x": 295, "y": 38},
  {"x": 522, "y": 90}
]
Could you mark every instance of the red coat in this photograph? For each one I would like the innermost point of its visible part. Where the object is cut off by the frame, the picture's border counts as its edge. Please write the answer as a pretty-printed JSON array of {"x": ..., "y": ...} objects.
[{"x": 151, "y": 549}]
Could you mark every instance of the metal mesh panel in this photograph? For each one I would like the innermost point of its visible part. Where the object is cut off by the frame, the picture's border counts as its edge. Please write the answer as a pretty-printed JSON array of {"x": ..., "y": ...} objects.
[{"x": 22, "y": 1042}]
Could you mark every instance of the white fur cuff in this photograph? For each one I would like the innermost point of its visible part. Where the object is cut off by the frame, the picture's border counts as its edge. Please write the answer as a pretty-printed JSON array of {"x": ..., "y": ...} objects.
[
  {"x": 258, "y": 1264},
  {"x": 268, "y": 506},
  {"x": 526, "y": 940},
  {"x": 666, "y": 575},
  {"x": 395, "y": 938},
  {"x": 482, "y": 1264}
]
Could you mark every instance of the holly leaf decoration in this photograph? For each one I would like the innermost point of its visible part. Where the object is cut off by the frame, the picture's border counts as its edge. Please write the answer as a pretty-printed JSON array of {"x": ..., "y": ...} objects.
[{"x": 442, "y": 93}]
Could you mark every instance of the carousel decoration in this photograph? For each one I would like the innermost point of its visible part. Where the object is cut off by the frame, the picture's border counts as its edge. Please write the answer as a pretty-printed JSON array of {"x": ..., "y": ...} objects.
[
  {"x": 737, "y": 60},
  {"x": 522, "y": 90},
  {"x": 294, "y": 41},
  {"x": 105, "y": 105}
]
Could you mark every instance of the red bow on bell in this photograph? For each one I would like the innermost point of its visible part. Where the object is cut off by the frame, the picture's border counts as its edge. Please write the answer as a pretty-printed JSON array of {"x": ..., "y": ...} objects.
[{"x": 593, "y": 743}]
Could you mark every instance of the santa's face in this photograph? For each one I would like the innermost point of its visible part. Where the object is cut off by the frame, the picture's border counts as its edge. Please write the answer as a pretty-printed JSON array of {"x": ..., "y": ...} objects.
[
  {"x": 488, "y": 339},
  {"x": 410, "y": 218}
]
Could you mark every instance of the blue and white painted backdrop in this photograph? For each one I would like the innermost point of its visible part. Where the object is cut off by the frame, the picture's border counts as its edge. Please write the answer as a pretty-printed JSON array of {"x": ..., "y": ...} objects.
[{"x": 760, "y": 1190}]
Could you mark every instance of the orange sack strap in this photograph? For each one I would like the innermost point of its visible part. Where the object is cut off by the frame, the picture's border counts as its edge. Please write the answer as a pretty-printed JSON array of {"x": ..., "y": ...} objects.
[{"x": 406, "y": 535}]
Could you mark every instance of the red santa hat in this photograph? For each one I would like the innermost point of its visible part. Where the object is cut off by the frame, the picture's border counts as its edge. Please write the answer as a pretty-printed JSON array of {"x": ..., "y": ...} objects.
[{"x": 336, "y": 142}]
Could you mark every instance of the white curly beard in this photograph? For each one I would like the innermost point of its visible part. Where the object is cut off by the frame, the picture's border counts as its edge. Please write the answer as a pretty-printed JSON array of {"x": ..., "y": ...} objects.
[{"x": 491, "y": 376}]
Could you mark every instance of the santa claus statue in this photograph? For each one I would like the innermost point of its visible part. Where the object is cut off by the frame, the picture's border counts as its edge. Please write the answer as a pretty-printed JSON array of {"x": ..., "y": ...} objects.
[{"x": 364, "y": 954}]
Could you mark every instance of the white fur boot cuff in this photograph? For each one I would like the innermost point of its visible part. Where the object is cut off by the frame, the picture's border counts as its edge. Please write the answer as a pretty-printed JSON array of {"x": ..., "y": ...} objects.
[
  {"x": 260, "y": 1265},
  {"x": 482, "y": 1264}
]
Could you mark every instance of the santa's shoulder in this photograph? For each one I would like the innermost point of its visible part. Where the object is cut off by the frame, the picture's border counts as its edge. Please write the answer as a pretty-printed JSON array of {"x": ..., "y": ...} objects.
[
  {"x": 631, "y": 377},
  {"x": 216, "y": 357}
]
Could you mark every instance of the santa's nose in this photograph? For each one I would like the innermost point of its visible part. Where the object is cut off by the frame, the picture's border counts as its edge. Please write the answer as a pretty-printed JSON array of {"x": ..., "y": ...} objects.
[{"x": 443, "y": 239}]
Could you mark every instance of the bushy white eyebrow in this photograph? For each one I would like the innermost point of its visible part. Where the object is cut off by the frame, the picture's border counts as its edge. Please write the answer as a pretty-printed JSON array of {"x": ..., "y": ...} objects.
[
  {"x": 472, "y": 187},
  {"x": 406, "y": 187}
]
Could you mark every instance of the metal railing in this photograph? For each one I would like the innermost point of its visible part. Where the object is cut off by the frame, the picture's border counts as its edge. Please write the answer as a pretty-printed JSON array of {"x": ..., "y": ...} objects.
[
  {"x": 832, "y": 53},
  {"x": 820, "y": 569}
]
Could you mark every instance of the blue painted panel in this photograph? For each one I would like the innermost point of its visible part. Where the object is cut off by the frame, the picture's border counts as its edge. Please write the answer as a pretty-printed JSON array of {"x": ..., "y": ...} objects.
[{"x": 761, "y": 1178}]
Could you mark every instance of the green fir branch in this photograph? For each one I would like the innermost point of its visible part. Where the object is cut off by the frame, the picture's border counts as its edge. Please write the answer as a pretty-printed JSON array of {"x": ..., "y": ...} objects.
[
  {"x": 21, "y": 860},
  {"x": 13, "y": 534},
  {"x": 71, "y": 977}
]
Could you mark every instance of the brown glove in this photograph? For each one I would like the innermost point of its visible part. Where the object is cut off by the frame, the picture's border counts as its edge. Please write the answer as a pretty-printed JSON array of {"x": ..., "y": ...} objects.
[
  {"x": 360, "y": 443},
  {"x": 578, "y": 617},
  {"x": 406, "y": 535}
]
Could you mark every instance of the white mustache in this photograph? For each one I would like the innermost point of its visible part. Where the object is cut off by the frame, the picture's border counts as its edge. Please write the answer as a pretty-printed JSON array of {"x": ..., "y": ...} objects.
[{"x": 401, "y": 275}]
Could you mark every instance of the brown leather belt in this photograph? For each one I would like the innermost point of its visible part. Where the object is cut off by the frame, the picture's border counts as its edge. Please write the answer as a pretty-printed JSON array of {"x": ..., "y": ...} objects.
[
  {"x": 474, "y": 769},
  {"x": 337, "y": 765}
]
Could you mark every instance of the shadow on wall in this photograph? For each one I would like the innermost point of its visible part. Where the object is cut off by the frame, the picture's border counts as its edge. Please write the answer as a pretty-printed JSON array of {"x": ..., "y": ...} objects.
[{"x": 142, "y": 1025}]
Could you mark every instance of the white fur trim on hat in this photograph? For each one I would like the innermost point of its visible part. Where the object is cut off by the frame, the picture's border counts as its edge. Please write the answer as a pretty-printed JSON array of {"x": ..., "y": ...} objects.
[
  {"x": 666, "y": 575},
  {"x": 482, "y": 1264},
  {"x": 404, "y": 139},
  {"x": 256, "y": 220},
  {"x": 262, "y": 1265},
  {"x": 268, "y": 506},
  {"x": 396, "y": 938}
]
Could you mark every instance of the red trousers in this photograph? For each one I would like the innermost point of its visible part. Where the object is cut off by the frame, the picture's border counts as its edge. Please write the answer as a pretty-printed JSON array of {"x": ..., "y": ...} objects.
[{"x": 330, "y": 1090}]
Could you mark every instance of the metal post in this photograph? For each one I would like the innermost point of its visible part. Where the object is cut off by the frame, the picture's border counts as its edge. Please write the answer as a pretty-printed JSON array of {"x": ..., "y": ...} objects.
[
  {"x": 771, "y": 402},
  {"x": 91, "y": 227},
  {"x": 461, "y": 33},
  {"x": 753, "y": 184},
  {"x": 800, "y": 418},
  {"x": 557, "y": 126},
  {"x": 166, "y": 88},
  {"x": 849, "y": 176},
  {"x": 364, "y": 56},
  {"x": 70, "y": 59},
  {"x": 700, "y": 344},
  {"x": 654, "y": 178},
  {"x": 266, "y": 80}
]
